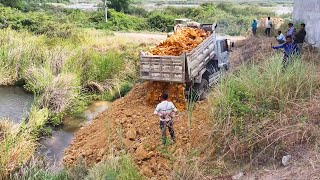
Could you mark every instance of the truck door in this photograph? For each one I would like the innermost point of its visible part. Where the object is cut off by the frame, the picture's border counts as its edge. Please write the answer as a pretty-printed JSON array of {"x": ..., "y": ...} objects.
[{"x": 224, "y": 53}]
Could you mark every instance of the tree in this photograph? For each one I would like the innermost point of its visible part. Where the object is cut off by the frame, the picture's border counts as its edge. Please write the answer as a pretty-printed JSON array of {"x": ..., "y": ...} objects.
[
  {"x": 12, "y": 3},
  {"x": 120, "y": 5}
]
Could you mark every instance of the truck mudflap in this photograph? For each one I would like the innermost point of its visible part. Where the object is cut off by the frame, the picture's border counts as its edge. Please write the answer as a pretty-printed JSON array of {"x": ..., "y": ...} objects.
[{"x": 162, "y": 68}]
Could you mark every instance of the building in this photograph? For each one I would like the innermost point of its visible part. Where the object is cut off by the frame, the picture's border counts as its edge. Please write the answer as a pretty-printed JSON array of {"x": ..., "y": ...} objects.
[{"x": 308, "y": 12}]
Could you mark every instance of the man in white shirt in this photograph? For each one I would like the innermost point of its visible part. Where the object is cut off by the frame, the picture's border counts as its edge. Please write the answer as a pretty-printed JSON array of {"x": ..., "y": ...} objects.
[
  {"x": 166, "y": 111},
  {"x": 269, "y": 26},
  {"x": 281, "y": 38}
]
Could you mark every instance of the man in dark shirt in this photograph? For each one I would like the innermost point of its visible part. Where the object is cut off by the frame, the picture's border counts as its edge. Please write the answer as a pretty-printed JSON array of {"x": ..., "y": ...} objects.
[
  {"x": 300, "y": 36},
  {"x": 291, "y": 49}
]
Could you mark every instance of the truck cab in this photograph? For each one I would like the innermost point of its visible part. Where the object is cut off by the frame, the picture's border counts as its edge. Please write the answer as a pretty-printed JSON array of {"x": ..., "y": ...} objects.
[{"x": 214, "y": 68}]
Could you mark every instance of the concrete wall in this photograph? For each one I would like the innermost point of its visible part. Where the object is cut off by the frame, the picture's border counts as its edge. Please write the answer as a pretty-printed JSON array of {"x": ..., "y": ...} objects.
[{"x": 308, "y": 11}]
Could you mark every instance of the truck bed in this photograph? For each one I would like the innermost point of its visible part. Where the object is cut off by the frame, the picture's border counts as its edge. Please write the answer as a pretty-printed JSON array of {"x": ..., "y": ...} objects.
[{"x": 178, "y": 69}]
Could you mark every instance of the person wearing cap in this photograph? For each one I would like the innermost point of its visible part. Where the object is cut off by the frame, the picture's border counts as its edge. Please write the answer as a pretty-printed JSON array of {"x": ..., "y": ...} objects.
[{"x": 166, "y": 110}]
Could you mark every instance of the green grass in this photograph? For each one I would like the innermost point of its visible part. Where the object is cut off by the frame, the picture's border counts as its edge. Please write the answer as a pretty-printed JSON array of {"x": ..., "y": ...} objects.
[
  {"x": 232, "y": 19},
  {"x": 122, "y": 168},
  {"x": 249, "y": 108}
]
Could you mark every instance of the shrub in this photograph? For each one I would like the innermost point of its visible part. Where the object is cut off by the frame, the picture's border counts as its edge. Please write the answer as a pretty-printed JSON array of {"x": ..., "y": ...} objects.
[
  {"x": 60, "y": 93},
  {"x": 37, "y": 79},
  {"x": 160, "y": 22},
  {"x": 105, "y": 66},
  {"x": 249, "y": 107},
  {"x": 119, "y": 21},
  {"x": 37, "y": 120}
]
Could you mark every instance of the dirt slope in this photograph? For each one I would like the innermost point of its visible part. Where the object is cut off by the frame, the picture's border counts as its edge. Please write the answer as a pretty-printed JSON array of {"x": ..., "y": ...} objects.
[{"x": 129, "y": 124}]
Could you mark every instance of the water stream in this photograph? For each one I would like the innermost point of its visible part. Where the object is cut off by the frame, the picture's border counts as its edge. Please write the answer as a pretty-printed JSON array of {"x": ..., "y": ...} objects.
[
  {"x": 15, "y": 103},
  {"x": 53, "y": 147}
]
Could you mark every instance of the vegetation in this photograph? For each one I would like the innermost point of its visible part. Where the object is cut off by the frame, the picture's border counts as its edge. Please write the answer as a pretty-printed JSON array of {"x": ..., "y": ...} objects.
[
  {"x": 58, "y": 70},
  {"x": 121, "y": 167},
  {"x": 120, "y": 5},
  {"x": 249, "y": 109},
  {"x": 232, "y": 19},
  {"x": 60, "y": 53}
]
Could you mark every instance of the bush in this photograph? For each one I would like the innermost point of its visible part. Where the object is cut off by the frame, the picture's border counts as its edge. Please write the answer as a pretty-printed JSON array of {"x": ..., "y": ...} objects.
[
  {"x": 137, "y": 11},
  {"x": 161, "y": 22},
  {"x": 119, "y": 21},
  {"x": 60, "y": 93},
  {"x": 249, "y": 108}
]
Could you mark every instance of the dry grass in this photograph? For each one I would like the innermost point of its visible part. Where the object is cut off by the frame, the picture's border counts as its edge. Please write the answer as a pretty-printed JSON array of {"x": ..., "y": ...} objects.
[
  {"x": 250, "y": 108},
  {"x": 60, "y": 93},
  {"x": 16, "y": 147}
]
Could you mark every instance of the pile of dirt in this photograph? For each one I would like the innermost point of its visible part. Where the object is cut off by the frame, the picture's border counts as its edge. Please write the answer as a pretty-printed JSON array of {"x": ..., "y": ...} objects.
[
  {"x": 176, "y": 91},
  {"x": 183, "y": 40},
  {"x": 130, "y": 125}
]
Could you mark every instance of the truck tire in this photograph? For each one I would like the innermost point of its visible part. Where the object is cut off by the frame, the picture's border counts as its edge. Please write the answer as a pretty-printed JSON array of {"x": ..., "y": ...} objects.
[{"x": 202, "y": 89}]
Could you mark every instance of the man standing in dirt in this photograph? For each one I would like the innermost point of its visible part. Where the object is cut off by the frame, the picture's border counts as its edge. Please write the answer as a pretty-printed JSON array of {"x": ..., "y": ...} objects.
[
  {"x": 269, "y": 26},
  {"x": 166, "y": 111},
  {"x": 300, "y": 36}
]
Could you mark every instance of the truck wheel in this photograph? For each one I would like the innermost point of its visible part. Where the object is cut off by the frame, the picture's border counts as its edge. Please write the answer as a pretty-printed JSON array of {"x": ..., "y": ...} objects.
[{"x": 203, "y": 89}]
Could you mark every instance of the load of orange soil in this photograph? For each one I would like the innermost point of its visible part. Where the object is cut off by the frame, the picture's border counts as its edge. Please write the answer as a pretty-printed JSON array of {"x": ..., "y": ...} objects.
[
  {"x": 174, "y": 90},
  {"x": 183, "y": 40}
]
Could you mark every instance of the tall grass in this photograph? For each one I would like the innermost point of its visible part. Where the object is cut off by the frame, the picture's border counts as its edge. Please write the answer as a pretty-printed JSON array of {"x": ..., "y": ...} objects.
[
  {"x": 115, "y": 167},
  {"x": 16, "y": 147},
  {"x": 249, "y": 108},
  {"x": 122, "y": 167}
]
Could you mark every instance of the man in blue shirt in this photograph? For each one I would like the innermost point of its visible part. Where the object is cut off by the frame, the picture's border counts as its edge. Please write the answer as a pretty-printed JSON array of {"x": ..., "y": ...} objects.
[
  {"x": 290, "y": 49},
  {"x": 254, "y": 26},
  {"x": 291, "y": 30}
]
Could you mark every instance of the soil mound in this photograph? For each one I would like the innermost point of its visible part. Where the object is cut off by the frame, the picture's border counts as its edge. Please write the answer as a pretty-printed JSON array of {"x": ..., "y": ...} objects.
[{"x": 130, "y": 125}]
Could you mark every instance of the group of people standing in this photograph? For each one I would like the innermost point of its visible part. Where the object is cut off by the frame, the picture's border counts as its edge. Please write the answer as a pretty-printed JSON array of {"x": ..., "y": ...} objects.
[{"x": 291, "y": 42}]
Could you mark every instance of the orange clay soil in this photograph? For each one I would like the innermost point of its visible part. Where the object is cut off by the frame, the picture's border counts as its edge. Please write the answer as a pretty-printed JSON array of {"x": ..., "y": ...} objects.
[
  {"x": 129, "y": 124},
  {"x": 183, "y": 40}
]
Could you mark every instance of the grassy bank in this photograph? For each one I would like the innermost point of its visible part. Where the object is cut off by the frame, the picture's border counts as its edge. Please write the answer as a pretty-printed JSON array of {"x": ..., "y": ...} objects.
[
  {"x": 252, "y": 111},
  {"x": 60, "y": 73}
]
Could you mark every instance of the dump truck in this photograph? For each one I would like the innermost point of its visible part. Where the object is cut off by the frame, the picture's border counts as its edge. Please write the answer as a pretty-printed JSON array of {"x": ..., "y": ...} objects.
[{"x": 198, "y": 69}]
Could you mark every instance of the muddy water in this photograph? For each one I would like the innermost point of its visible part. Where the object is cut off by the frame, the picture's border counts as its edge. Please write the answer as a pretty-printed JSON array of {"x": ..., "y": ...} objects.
[
  {"x": 53, "y": 147},
  {"x": 14, "y": 103}
]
